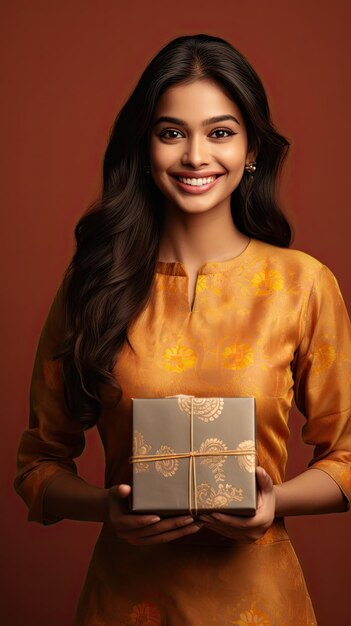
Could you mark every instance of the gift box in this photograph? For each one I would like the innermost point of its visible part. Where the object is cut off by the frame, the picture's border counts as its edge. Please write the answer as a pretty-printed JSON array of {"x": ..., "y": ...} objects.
[{"x": 193, "y": 455}]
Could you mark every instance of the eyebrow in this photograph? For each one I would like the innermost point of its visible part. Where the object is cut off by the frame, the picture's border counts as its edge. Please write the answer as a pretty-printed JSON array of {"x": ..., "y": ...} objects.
[{"x": 210, "y": 120}]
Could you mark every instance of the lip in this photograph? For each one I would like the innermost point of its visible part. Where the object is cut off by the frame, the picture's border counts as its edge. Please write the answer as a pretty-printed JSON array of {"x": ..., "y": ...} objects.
[
  {"x": 197, "y": 190},
  {"x": 187, "y": 174}
]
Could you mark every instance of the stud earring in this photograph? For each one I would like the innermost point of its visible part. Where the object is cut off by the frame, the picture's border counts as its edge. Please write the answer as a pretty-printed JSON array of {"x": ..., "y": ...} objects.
[
  {"x": 147, "y": 169},
  {"x": 251, "y": 167}
]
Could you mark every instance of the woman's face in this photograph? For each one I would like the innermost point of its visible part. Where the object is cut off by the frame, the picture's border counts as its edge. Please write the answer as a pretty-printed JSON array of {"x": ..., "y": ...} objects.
[{"x": 198, "y": 146}]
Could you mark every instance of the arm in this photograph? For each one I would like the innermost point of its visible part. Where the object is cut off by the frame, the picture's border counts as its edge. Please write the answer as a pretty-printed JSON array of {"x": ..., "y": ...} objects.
[
  {"x": 52, "y": 439},
  {"x": 47, "y": 477},
  {"x": 322, "y": 375},
  {"x": 70, "y": 497},
  {"x": 321, "y": 370},
  {"x": 309, "y": 493}
]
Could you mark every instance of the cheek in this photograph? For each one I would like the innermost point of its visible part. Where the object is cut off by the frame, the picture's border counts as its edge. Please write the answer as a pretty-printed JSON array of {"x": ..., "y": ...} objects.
[
  {"x": 234, "y": 158},
  {"x": 159, "y": 163},
  {"x": 159, "y": 157}
]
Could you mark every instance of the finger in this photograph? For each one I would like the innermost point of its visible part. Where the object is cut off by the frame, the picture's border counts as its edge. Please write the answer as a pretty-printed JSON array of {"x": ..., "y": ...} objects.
[
  {"x": 130, "y": 522},
  {"x": 120, "y": 492},
  {"x": 236, "y": 523},
  {"x": 232, "y": 521},
  {"x": 228, "y": 531},
  {"x": 123, "y": 490},
  {"x": 240, "y": 536},
  {"x": 164, "y": 526},
  {"x": 264, "y": 481},
  {"x": 133, "y": 522},
  {"x": 167, "y": 536}
]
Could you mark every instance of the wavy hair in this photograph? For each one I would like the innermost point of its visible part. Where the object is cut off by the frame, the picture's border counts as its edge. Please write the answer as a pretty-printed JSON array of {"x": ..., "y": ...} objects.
[{"x": 109, "y": 280}]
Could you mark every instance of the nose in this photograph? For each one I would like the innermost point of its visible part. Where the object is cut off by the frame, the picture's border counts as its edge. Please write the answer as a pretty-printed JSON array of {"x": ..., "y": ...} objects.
[{"x": 195, "y": 152}]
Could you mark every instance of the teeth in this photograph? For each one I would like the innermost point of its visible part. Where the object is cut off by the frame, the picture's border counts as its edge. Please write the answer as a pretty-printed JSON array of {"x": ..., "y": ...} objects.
[{"x": 197, "y": 182}]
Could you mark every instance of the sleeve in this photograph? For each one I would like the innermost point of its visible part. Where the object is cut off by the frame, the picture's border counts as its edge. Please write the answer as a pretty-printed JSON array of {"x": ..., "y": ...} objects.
[
  {"x": 322, "y": 377},
  {"x": 52, "y": 440}
]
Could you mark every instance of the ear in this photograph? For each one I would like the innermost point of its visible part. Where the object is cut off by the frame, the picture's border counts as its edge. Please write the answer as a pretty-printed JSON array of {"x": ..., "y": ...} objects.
[{"x": 250, "y": 157}]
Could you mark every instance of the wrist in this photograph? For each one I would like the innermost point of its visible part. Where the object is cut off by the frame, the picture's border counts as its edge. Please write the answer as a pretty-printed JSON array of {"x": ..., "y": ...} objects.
[
  {"x": 277, "y": 494},
  {"x": 69, "y": 496},
  {"x": 103, "y": 505}
]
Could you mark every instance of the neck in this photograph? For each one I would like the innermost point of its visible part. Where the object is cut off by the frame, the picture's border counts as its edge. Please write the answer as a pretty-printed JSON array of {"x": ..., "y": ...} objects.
[{"x": 194, "y": 239}]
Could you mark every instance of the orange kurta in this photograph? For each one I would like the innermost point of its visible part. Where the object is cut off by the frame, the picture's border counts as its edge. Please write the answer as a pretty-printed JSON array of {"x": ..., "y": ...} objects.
[{"x": 270, "y": 323}]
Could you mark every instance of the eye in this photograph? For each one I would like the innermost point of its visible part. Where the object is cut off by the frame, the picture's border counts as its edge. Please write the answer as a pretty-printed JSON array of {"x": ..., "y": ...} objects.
[
  {"x": 170, "y": 133},
  {"x": 222, "y": 133}
]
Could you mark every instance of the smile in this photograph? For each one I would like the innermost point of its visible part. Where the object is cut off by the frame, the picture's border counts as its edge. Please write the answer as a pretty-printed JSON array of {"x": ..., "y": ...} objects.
[
  {"x": 197, "y": 185},
  {"x": 197, "y": 181}
]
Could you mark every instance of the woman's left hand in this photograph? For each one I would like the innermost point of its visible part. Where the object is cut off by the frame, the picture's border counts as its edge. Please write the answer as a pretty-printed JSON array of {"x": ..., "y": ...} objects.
[{"x": 247, "y": 529}]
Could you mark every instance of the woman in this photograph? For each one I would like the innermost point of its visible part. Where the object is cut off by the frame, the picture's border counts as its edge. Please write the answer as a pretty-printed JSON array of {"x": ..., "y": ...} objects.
[{"x": 183, "y": 283}]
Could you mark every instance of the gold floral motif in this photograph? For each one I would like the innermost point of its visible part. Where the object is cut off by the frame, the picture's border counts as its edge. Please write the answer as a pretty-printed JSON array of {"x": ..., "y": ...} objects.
[
  {"x": 207, "y": 497},
  {"x": 215, "y": 463},
  {"x": 237, "y": 356},
  {"x": 140, "y": 447},
  {"x": 179, "y": 358},
  {"x": 324, "y": 356},
  {"x": 267, "y": 281},
  {"x": 211, "y": 283},
  {"x": 201, "y": 283},
  {"x": 247, "y": 462},
  {"x": 206, "y": 409},
  {"x": 166, "y": 467},
  {"x": 253, "y": 617},
  {"x": 145, "y": 614}
]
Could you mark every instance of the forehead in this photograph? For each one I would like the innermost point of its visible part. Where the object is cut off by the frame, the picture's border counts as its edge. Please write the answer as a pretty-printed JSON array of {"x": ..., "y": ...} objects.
[{"x": 195, "y": 101}]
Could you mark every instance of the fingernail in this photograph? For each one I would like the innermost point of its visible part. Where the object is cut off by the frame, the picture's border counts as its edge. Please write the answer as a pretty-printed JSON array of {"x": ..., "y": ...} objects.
[
  {"x": 155, "y": 519},
  {"x": 196, "y": 527},
  {"x": 206, "y": 518},
  {"x": 188, "y": 520}
]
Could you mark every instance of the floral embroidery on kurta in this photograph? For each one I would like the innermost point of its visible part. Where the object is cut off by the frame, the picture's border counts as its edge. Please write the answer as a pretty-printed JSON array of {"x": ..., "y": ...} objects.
[
  {"x": 252, "y": 617},
  {"x": 237, "y": 356},
  {"x": 267, "y": 281},
  {"x": 323, "y": 357},
  {"x": 179, "y": 358},
  {"x": 145, "y": 614}
]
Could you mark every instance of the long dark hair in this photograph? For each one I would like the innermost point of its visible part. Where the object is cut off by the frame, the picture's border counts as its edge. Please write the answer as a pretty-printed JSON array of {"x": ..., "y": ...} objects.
[{"x": 109, "y": 280}]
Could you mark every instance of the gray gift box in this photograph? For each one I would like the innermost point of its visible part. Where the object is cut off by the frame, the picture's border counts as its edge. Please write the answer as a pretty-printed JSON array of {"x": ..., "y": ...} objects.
[{"x": 193, "y": 455}]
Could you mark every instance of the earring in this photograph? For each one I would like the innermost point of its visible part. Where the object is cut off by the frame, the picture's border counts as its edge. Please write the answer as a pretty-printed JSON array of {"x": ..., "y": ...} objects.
[
  {"x": 147, "y": 169},
  {"x": 251, "y": 167}
]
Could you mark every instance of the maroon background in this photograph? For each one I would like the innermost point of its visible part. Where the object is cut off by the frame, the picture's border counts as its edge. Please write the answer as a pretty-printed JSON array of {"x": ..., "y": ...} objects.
[{"x": 69, "y": 68}]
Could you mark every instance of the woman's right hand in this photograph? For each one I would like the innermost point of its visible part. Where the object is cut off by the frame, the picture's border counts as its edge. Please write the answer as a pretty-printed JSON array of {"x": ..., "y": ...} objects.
[{"x": 143, "y": 530}]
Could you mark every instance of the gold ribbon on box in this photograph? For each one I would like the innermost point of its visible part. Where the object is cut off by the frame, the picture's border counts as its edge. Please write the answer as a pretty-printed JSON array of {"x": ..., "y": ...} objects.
[{"x": 228, "y": 492}]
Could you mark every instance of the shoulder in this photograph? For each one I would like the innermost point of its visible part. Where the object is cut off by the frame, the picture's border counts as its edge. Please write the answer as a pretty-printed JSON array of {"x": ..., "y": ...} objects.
[
  {"x": 290, "y": 261},
  {"x": 298, "y": 270}
]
